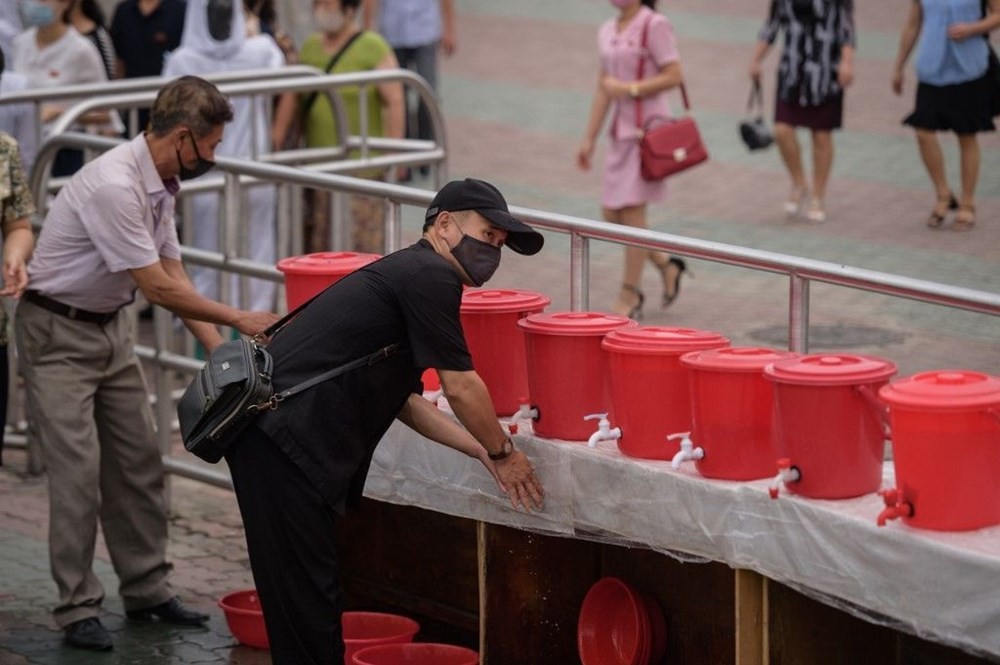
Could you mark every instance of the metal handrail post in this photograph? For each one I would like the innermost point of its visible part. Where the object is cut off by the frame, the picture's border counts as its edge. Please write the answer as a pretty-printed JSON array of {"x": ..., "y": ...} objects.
[
  {"x": 579, "y": 272},
  {"x": 163, "y": 412},
  {"x": 798, "y": 314},
  {"x": 393, "y": 226}
]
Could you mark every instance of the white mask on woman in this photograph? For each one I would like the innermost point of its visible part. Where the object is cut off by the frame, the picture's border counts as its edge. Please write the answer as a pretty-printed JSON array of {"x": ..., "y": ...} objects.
[{"x": 329, "y": 21}]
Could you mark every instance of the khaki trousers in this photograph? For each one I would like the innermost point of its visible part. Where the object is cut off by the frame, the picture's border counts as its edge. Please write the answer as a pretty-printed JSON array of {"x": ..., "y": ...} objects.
[{"x": 87, "y": 402}]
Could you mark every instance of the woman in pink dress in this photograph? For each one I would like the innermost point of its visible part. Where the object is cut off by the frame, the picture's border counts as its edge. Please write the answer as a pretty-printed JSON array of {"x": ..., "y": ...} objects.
[{"x": 624, "y": 192}]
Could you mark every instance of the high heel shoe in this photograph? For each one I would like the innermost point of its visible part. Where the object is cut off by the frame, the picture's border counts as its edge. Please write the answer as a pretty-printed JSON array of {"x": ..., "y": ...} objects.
[
  {"x": 671, "y": 286},
  {"x": 936, "y": 219},
  {"x": 624, "y": 307}
]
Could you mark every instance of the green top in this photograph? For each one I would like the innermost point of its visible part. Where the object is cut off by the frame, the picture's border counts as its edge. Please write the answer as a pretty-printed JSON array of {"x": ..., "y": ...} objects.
[
  {"x": 15, "y": 200},
  {"x": 363, "y": 55}
]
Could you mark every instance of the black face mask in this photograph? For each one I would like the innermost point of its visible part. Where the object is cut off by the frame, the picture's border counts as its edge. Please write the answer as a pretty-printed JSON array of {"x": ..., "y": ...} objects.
[
  {"x": 479, "y": 259},
  {"x": 202, "y": 167},
  {"x": 220, "y": 19}
]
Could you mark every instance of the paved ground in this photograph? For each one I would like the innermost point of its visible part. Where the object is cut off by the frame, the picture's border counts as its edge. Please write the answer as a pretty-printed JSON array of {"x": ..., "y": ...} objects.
[{"x": 516, "y": 97}]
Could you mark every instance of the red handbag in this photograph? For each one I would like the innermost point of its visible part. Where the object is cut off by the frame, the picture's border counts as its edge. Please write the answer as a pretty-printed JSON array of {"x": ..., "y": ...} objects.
[{"x": 666, "y": 145}]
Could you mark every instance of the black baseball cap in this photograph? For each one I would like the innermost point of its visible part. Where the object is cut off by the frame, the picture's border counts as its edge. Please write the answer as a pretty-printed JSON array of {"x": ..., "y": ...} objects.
[{"x": 484, "y": 198}]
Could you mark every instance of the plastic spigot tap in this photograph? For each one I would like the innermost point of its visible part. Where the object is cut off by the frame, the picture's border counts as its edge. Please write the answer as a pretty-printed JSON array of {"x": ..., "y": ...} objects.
[
  {"x": 895, "y": 506},
  {"x": 786, "y": 474},
  {"x": 512, "y": 428},
  {"x": 688, "y": 450},
  {"x": 604, "y": 429},
  {"x": 525, "y": 411}
]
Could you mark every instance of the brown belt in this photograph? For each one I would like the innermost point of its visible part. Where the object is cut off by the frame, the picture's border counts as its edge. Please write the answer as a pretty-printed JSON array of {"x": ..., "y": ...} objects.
[{"x": 62, "y": 309}]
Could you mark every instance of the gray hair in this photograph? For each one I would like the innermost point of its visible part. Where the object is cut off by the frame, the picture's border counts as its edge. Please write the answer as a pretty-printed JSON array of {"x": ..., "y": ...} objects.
[{"x": 191, "y": 102}]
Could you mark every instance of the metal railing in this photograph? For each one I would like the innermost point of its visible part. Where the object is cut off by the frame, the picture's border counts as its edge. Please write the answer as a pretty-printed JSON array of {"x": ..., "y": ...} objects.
[{"x": 39, "y": 96}]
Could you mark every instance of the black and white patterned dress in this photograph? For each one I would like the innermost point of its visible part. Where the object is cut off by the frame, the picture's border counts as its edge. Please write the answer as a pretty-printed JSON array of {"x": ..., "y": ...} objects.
[{"x": 815, "y": 32}]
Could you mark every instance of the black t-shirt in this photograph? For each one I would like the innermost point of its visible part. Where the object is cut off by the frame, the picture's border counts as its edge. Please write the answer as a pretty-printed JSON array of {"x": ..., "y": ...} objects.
[
  {"x": 141, "y": 41},
  {"x": 412, "y": 298}
]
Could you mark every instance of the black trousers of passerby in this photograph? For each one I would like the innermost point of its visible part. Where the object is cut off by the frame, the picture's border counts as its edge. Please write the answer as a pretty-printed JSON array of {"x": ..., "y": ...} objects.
[{"x": 293, "y": 553}]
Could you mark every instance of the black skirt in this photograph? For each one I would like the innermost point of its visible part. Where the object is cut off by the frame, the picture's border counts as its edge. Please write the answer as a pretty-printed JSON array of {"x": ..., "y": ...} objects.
[{"x": 963, "y": 108}]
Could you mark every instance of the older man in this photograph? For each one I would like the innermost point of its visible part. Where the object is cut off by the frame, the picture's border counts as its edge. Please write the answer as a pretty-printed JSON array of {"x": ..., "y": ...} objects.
[
  {"x": 301, "y": 463},
  {"x": 110, "y": 231}
]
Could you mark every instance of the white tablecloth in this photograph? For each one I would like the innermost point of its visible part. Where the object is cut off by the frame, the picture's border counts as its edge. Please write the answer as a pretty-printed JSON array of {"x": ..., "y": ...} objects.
[{"x": 940, "y": 586}]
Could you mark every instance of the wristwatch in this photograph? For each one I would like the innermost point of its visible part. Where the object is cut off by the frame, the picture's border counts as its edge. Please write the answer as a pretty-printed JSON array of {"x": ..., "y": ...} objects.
[
  {"x": 633, "y": 90},
  {"x": 506, "y": 448}
]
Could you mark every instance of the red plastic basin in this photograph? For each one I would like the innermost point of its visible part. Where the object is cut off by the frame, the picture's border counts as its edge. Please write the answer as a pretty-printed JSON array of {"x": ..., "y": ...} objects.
[
  {"x": 416, "y": 654},
  {"x": 245, "y": 618},
  {"x": 611, "y": 629},
  {"x": 367, "y": 629}
]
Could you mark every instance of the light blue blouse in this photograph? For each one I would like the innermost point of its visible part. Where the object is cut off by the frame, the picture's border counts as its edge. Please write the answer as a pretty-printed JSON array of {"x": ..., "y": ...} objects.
[{"x": 943, "y": 61}]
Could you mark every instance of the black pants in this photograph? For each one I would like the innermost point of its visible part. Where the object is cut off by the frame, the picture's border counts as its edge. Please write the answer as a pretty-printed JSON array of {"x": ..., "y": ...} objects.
[{"x": 293, "y": 553}]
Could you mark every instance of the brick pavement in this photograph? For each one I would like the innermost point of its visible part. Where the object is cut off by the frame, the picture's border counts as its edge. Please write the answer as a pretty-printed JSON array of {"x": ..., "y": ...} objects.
[{"x": 516, "y": 96}]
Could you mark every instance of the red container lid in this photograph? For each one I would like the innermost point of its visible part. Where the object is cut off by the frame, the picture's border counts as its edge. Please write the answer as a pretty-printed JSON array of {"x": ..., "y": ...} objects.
[
  {"x": 832, "y": 369},
  {"x": 658, "y": 340},
  {"x": 573, "y": 324},
  {"x": 735, "y": 358},
  {"x": 946, "y": 389},
  {"x": 503, "y": 301},
  {"x": 326, "y": 263}
]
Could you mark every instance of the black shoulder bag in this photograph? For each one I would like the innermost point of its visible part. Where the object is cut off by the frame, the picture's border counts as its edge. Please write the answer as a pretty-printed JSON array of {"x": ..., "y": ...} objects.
[
  {"x": 311, "y": 99},
  {"x": 235, "y": 385}
]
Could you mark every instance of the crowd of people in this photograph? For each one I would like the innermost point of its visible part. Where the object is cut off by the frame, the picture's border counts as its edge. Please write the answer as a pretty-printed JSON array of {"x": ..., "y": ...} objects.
[{"x": 111, "y": 232}]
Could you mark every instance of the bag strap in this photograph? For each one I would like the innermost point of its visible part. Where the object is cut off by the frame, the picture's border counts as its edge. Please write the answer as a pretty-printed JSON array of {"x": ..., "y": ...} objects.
[
  {"x": 311, "y": 99},
  {"x": 756, "y": 99},
  {"x": 643, "y": 55},
  {"x": 368, "y": 360}
]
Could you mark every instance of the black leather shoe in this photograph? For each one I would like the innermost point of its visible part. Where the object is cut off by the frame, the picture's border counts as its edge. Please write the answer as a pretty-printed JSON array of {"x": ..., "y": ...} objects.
[
  {"x": 172, "y": 611},
  {"x": 88, "y": 634}
]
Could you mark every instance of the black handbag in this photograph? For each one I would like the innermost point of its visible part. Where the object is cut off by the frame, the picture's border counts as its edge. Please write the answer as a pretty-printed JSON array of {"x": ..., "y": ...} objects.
[
  {"x": 235, "y": 385},
  {"x": 754, "y": 131}
]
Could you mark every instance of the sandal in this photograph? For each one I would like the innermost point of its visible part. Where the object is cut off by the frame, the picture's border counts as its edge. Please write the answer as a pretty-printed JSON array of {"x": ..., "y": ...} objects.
[
  {"x": 795, "y": 201},
  {"x": 631, "y": 311},
  {"x": 936, "y": 219},
  {"x": 814, "y": 211},
  {"x": 671, "y": 285},
  {"x": 965, "y": 223}
]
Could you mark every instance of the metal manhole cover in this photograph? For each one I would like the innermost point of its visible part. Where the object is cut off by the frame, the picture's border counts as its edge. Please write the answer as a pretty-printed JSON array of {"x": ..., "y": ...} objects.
[{"x": 832, "y": 336}]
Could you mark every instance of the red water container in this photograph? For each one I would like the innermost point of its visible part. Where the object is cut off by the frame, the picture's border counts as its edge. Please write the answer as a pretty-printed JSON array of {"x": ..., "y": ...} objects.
[
  {"x": 946, "y": 450},
  {"x": 307, "y": 275},
  {"x": 566, "y": 369},
  {"x": 732, "y": 407},
  {"x": 650, "y": 391},
  {"x": 489, "y": 320},
  {"x": 831, "y": 426}
]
